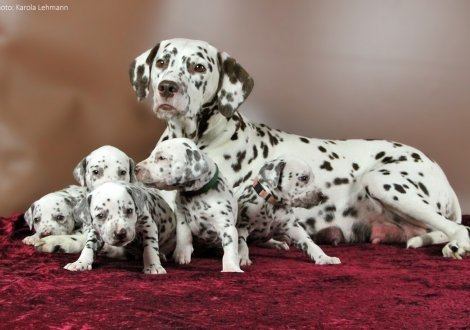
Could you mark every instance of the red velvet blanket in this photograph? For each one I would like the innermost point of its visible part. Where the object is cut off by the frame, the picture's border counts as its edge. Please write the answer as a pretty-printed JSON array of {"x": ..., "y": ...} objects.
[{"x": 376, "y": 286}]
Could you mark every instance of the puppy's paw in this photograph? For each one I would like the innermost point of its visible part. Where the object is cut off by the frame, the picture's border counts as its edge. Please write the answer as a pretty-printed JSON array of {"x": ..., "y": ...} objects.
[
  {"x": 78, "y": 266},
  {"x": 61, "y": 243},
  {"x": 414, "y": 242},
  {"x": 276, "y": 245},
  {"x": 233, "y": 269},
  {"x": 326, "y": 260},
  {"x": 154, "y": 270},
  {"x": 30, "y": 240},
  {"x": 459, "y": 245},
  {"x": 245, "y": 261},
  {"x": 182, "y": 255}
]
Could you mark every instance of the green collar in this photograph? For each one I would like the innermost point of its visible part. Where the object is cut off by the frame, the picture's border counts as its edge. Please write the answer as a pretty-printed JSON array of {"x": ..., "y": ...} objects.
[{"x": 206, "y": 187}]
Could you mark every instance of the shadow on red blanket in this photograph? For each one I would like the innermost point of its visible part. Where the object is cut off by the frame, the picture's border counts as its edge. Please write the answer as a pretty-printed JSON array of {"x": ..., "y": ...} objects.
[{"x": 376, "y": 286}]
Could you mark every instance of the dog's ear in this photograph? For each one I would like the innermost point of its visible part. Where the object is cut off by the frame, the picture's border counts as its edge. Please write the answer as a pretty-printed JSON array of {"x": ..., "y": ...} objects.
[
  {"x": 80, "y": 171},
  {"x": 71, "y": 201},
  {"x": 198, "y": 164},
  {"x": 131, "y": 171},
  {"x": 81, "y": 211},
  {"x": 235, "y": 84},
  {"x": 271, "y": 173},
  {"x": 139, "y": 198},
  {"x": 28, "y": 216},
  {"x": 140, "y": 71}
]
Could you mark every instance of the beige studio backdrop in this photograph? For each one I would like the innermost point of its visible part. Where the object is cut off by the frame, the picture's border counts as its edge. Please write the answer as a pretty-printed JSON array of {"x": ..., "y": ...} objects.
[{"x": 397, "y": 70}]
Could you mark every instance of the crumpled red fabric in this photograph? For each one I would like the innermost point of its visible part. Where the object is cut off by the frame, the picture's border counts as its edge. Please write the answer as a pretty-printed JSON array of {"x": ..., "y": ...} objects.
[{"x": 376, "y": 286}]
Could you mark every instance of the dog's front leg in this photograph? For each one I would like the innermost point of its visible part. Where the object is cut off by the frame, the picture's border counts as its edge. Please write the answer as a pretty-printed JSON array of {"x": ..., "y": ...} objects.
[
  {"x": 93, "y": 245},
  {"x": 303, "y": 242},
  {"x": 184, "y": 239},
  {"x": 230, "y": 260},
  {"x": 151, "y": 256}
]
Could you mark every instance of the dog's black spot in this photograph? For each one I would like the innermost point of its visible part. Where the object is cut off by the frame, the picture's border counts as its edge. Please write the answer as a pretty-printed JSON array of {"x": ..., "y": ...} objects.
[
  {"x": 355, "y": 166},
  {"x": 416, "y": 157},
  {"x": 339, "y": 181},
  {"x": 304, "y": 140},
  {"x": 387, "y": 187},
  {"x": 423, "y": 188},
  {"x": 380, "y": 155},
  {"x": 350, "y": 211},
  {"x": 361, "y": 233},
  {"x": 322, "y": 149},
  {"x": 399, "y": 188},
  {"x": 326, "y": 166}
]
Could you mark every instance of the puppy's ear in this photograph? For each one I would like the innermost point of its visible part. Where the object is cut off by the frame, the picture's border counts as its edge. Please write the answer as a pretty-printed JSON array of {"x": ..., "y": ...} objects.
[
  {"x": 80, "y": 171},
  {"x": 197, "y": 162},
  {"x": 139, "y": 198},
  {"x": 271, "y": 173},
  {"x": 131, "y": 171},
  {"x": 235, "y": 84},
  {"x": 140, "y": 72},
  {"x": 81, "y": 211},
  {"x": 71, "y": 201},
  {"x": 28, "y": 216}
]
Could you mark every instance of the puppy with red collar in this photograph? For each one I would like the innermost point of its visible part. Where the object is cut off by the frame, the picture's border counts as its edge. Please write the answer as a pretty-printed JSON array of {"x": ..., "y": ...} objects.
[{"x": 265, "y": 208}]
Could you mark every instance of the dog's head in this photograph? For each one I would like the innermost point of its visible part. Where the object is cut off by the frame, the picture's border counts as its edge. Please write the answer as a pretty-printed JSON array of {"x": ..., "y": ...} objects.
[
  {"x": 185, "y": 75},
  {"x": 176, "y": 164},
  {"x": 291, "y": 182},
  {"x": 105, "y": 164},
  {"x": 52, "y": 215},
  {"x": 112, "y": 210}
]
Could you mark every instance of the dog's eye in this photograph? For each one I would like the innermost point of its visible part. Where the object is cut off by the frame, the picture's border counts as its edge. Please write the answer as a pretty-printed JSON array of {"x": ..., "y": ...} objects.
[
  {"x": 161, "y": 158},
  {"x": 36, "y": 220},
  {"x": 123, "y": 172},
  {"x": 200, "y": 68},
  {"x": 303, "y": 178},
  {"x": 60, "y": 218},
  {"x": 160, "y": 63},
  {"x": 130, "y": 211},
  {"x": 100, "y": 216},
  {"x": 95, "y": 172}
]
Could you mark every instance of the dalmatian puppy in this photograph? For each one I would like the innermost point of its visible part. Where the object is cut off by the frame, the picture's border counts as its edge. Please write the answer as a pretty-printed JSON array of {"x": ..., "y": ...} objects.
[
  {"x": 105, "y": 164},
  {"x": 266, "y": 207},
  {"x": 205, "y": 203},
  {"x": 118, "y": 212},
  {"x": 53, "y": 214},
  {"x": 379, "y": 191}
]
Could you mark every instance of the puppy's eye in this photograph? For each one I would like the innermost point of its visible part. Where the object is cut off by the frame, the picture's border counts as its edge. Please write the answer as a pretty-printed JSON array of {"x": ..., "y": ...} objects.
[
  {"x": 60, "y": 218},
  {"x": 130, "y": 211},
  {"x": 123, "y": 172},
  {"x": 100, "y": 216},
  {"x": 200, "y": 68},
  {"x": 36, "y": 220},
  {"x": 161, "y": 158},
  {"x": 160, "y": 64},
  {"x": 95, "y": 172},
  {"x": 303, "y": 178}
]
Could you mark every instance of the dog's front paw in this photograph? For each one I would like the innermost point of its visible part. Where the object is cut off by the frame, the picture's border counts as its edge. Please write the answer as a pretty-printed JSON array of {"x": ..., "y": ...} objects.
[
  {"x": 78, "y": 266},
  {"x": 245, "y": 261},
  {"x": 182, "y": 255},
  {"x": 61, "y": 243},
  {"x": 326, "y": 260},
  {"x": 30, "y": 240},
  {"x": 276, "y": 245},
  {"x": 154, "y": 270},
  {"x": 459, "y": 245},
  {"x": 232, "y": 269}
]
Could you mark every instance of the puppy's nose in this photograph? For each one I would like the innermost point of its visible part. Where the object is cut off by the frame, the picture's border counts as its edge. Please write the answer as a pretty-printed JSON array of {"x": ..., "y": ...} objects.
[
  {"x": 167, "y": 88},
  {"x": 120, "y": 234}
]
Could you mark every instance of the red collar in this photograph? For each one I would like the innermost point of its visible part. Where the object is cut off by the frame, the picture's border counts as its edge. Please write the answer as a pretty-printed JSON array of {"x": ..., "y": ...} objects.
[{"x": 262, "y": 192}]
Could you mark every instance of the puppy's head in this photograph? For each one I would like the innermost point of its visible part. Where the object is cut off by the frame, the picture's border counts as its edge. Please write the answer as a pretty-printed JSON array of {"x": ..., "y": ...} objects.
[
  {"x": 105, "y": 164},
  {"x": 52, "y": 215},
  {"x": 186, "y": 74},
  {"x": 291, "y": 182},
  {"x": 176, "y": 164},
  {"x": 112, "y": 210}
]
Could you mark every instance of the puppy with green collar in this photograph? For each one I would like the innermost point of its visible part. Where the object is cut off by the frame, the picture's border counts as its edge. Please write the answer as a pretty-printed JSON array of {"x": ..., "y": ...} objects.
[{"x": 206, "y": 207}]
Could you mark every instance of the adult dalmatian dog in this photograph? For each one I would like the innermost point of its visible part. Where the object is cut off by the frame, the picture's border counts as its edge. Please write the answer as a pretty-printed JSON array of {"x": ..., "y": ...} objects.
[
  {"x": 266, "y": 207},
  {"x": 378, "y": 191},
  {"x": 205, "y": 203},
  {"x": 104, "y": 164}
]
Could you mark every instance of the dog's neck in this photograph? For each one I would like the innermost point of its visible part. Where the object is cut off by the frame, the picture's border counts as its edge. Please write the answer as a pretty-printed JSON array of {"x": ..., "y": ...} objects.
[{"x": 206, "y": 124}]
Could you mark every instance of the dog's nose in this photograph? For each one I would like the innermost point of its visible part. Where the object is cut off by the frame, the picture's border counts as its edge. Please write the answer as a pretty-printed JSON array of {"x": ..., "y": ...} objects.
[
  {"x": 120, "y": 234},
  {"x": 167, "y": 88}
]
